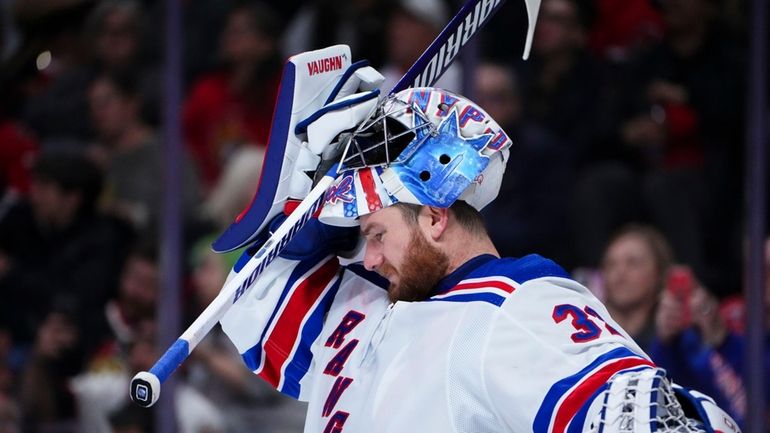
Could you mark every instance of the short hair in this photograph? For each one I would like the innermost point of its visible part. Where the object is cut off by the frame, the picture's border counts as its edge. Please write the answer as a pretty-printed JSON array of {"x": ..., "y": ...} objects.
[
  {"x": 72, "y": 172},
  {"x": 661, "y": 249},
  {"x": 466, "y": 215}
]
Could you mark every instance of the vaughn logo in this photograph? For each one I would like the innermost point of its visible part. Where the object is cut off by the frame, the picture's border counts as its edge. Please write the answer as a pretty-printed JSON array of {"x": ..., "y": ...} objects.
[{"x": 333, "y": 63}]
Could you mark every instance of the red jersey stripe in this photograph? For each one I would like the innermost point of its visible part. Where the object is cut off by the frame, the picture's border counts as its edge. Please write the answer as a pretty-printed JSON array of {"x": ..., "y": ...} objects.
[
  {"x": 286, "y": 332},
  {"x": 482, "y": 285},
  {"x": 578, "y": 397}
]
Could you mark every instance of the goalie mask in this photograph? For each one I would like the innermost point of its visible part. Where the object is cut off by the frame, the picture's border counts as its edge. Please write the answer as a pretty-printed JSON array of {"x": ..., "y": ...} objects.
[{"x": 423, "y": 146}]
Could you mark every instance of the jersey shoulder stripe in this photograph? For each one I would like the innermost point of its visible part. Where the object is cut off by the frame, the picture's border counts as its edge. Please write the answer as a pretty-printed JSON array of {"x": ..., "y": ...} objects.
[
  {"x": 566, "y": 402},
  {"x": 492, "y": 290},
  {"x": 283, "y": 337},
  {"x": 299, "y": 361},
  {"x": 494, "y": 280},
  {"x": 297, "y": 319},
  {"x": 253, "y": 357}
]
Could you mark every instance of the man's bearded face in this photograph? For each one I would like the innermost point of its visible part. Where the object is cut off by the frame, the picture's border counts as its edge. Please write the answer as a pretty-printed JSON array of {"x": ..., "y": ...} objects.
[{"x": 422, "y": 267}]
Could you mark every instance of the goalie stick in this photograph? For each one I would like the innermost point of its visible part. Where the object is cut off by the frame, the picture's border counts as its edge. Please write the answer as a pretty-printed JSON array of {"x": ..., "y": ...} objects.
[{"x": 145, "y": 387}]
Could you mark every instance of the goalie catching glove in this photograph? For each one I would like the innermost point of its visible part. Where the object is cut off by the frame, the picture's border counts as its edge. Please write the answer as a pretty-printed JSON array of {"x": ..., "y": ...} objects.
[{"x": 646, "y": 401}]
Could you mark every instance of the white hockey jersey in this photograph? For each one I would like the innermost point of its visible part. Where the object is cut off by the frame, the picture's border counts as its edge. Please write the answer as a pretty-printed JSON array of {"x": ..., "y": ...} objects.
[{"x": 503, "y": 345}]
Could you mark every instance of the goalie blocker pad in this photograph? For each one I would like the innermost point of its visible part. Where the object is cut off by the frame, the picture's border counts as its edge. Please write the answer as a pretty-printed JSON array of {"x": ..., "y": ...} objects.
[{"x": 309, "y": 81}]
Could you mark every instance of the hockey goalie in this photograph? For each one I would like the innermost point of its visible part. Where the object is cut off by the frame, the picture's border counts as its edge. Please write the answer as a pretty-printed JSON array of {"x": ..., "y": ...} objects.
[{"x": 392, "y": 311}]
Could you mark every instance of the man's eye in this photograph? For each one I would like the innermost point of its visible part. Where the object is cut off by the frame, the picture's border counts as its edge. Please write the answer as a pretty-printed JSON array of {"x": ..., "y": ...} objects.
[{"x": 378, "y": 237}]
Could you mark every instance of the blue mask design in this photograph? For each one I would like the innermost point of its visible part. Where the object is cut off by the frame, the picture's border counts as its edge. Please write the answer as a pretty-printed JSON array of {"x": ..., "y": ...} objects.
[{"x": 437, "y": 169}]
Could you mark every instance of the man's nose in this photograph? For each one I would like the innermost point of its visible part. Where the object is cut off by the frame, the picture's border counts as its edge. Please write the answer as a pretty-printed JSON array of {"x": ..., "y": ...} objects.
[{"x": 372, "y": 259}]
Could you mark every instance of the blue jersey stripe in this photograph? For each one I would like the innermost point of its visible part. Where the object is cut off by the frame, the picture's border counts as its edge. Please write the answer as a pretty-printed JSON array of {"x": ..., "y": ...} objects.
[
  {"x": 300, "y": 362},
  {"x": 576, "y": 425},
  {"x": 253, "y": 356},
  {"x": 520, "y": 270},
  {"x": 558, "y": 389},
  {"x": 491, "y": 298}
]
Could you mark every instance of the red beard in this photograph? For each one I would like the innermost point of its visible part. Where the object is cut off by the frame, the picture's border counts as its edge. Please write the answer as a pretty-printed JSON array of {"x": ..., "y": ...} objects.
[{"x": 423, "y": 267}]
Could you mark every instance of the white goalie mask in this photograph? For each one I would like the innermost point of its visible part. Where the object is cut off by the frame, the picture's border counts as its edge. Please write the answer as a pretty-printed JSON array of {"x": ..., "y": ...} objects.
[{"x": 423, "y": 146}]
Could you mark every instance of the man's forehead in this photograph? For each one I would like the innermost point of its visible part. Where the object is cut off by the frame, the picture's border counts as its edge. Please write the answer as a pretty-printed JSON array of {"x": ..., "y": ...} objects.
[
  {"x": 369, "y": 222},
  {"x": 379, "y": 218},
  {"x": 363, "y": 223}
]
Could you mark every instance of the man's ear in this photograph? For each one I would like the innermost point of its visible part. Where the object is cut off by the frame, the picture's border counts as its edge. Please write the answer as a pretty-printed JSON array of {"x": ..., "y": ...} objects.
[{"x": 434, "y": 221}]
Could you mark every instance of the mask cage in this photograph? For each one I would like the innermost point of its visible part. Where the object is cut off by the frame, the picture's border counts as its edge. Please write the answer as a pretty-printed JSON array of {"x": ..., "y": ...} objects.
[{"x": 380, "y": 140}]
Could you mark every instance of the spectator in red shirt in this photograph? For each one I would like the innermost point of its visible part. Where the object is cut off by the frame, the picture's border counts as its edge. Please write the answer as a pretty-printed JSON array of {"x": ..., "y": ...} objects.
[
  {"x": 621, "y": 28},
  {"x": 16, "y": 156},
  {"x": 233, "y": 106}
]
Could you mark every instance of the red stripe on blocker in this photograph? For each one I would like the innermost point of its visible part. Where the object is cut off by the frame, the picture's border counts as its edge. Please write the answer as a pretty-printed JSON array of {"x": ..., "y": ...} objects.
[
  {"x": 373, "y": 202},
  {"x": 578, "y": 397},
  {"x": 286, "y": 332}
]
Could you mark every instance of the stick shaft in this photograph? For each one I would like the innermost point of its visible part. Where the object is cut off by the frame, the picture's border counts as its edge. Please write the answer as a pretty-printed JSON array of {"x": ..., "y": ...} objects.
[
  {"x": 236, "y": 287},
  {"x": 437, "y": 58}
]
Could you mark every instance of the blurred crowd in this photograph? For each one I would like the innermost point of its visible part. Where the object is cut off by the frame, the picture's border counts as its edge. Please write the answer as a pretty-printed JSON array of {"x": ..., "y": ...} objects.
[{"x": 628, "y": 127}]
